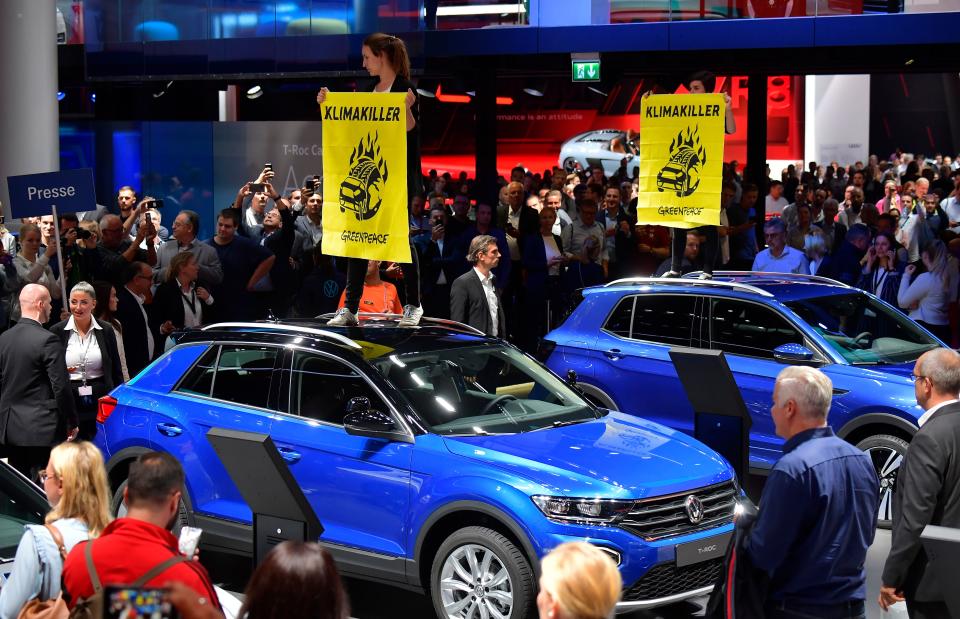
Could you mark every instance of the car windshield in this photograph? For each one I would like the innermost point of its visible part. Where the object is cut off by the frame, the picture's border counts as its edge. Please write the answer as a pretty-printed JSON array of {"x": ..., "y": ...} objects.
[
  {"x": 863, "y": 330},
  {"x": 486, "y": 388}
]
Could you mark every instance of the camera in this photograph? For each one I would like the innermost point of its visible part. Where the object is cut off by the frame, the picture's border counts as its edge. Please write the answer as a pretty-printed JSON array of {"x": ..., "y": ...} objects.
[
  {"x": 257, "y": 187},
  {"x": 157, "y": 204},
  {"x": 311, "y": 183},
  {"x": 83, "y": 234},
  {"x": 268, "y": 166}
]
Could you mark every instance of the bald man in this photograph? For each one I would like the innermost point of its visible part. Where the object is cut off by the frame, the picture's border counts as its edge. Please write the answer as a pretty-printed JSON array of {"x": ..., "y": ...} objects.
[
  {"x": 928, "y": 487},
  {"x": 36, "y": 402}
]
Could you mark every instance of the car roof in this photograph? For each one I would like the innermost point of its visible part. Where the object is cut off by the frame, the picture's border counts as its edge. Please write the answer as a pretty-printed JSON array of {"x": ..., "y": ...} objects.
[
  {"x": 783, "y": 287},
  {"x": 376, "y": 333}
]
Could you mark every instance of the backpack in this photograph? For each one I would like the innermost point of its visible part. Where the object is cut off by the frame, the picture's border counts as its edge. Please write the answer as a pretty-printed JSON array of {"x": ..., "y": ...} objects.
[
  {"x": 48, "y": 609},
  {"x": 92, "y": 607}
]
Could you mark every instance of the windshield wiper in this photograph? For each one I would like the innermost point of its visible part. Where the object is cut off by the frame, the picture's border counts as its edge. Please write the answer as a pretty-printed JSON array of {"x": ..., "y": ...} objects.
[{"x": 560, "y": 424}]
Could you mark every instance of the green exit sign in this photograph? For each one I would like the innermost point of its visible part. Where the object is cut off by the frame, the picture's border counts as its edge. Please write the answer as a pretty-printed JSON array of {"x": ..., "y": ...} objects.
[{"x": 586, "y": 70}]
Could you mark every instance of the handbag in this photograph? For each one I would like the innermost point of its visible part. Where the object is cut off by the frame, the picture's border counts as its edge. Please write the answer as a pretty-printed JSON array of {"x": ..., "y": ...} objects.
[{"x": 48, "y": 609}]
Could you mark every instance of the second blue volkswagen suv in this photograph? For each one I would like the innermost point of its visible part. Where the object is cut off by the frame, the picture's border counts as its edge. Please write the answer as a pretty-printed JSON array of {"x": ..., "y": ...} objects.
[{"x": 435, "y": 458}]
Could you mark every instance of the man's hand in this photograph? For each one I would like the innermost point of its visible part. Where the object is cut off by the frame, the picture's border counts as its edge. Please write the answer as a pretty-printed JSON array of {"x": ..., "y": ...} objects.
[
  {"x": 189, "y": 603},
  {"x": 166, "y": 328},
  {"x": 72, "y": 433},
  {"x": 244, "y": 191},
  {"x": 265, "y": 175},
  {"x": 437, "y": 233},
  {"x": 70, "y": 236},
  {"x": 888, "y": 597},
  {"x": 202, "y": 293}
]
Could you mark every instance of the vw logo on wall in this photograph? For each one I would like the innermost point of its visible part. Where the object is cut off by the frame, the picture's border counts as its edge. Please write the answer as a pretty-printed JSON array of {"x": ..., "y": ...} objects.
[{"x": 694, "y": 509}]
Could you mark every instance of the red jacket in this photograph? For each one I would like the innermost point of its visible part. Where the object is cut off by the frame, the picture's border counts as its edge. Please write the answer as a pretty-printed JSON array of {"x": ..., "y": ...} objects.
[{"x": 125, "y": 551}]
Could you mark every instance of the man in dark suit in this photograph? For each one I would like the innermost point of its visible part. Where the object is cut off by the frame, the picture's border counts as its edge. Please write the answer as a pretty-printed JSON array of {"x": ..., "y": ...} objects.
[
  {"x": 473, "y": 297},
  {"x": 36, "y": 403},
  {"x": 139, "y": 340},
  {"x": 442, "y": 263},
  {"x": 928, "y": 487}
]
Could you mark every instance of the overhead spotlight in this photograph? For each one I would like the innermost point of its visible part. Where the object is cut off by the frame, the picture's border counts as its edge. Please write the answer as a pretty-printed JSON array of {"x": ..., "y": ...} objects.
[
  {"x": 909, "y": 62},
  {"x": 254, "y": 92},
  {"x": 472, "y": 93},
  {"x": 163, "y": 90},
  {"x": 596, "y": 90},
  {"x": 61, "y": 95},
  {"x": 93, "y": 97},
  {"x": 423, "y": 92},
  {"x": 533, "y": 92}
]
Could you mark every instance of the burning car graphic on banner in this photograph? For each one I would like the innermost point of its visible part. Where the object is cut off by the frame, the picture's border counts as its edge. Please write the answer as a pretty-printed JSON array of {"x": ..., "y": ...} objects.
[{"x": 362, "y": 190}]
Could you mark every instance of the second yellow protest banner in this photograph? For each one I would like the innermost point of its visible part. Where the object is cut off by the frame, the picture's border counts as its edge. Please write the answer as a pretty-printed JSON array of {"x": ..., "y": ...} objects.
[
  {"x": 365, "y": 211},
  {"x": 681, "y": 160}
]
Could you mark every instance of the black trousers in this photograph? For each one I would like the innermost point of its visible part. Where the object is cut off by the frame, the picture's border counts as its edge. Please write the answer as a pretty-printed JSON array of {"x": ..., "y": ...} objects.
[
  {"x": 357, "y": 272},
  {"x": 87, "y": 407},
  {"x": 789, "y": 610},
  {"x": 28, "y": 460},
  {"x": 927, "y": 610},
  {"x": 709, "y": 252}
]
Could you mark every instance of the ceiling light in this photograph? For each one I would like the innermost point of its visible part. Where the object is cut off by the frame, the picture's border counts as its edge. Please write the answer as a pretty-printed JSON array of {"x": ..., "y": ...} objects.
[
  {"x": 254, "y": 92},
  {"x": 596, "y": 90},
  {"x": 533, "y": 92},
  {"x": 163, "y": 90},
  {"x": 93, "y": 97},
  {"x": 423, "y": 92},
  {"x": 909, "y": 62},
  {"x": 472, "y": 93},
  {"x": 61, "y": 95},
  {"x": 481, "y": 9}
]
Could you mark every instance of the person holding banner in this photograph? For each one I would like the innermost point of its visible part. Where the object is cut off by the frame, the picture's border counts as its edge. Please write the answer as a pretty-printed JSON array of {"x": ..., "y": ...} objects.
[
  {"x": 701, "y": 82},
  {"x": 33, "y": 268},
  {"x": 385, "y": 57}
]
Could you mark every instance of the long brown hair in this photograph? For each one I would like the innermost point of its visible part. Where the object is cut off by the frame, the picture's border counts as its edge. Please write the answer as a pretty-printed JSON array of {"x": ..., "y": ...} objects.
[
  {"x": 393, "y": 48},
  {"x": 297, "y": 579}
]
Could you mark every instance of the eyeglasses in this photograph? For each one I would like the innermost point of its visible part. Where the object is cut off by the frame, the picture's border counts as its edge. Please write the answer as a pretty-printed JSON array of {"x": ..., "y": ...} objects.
[
  {"x": 915, "y": 378},
  {"x": 43, "y": 476}
]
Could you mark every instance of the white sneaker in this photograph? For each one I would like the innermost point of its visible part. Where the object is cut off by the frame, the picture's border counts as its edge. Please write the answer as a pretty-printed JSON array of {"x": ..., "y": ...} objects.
[
  {"x": 706, "y": 276},
  {"x": 344, "y": 318},
  {"x": 672, "y": 274},
  {"x": 411, "y": 316}
]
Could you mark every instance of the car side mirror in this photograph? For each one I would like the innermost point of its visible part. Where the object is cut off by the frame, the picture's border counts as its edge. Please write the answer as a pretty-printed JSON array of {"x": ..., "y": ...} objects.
[
  {"x": 361, "y": 420},
  {"x": 796, "y": 354}
]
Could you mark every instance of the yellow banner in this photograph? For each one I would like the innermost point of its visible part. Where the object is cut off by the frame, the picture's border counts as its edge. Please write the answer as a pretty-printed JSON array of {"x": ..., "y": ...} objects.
[
  {"x": 681, "y": 160},
  {"x": 365, "y": 176}
]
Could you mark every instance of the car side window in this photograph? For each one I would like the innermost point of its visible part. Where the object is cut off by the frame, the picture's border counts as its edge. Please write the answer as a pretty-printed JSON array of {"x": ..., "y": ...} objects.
[
  {"x": 665, "y": 319},
  {"x": 321, "y": 387},
  {"x": 750, "y": 329},
  {"x": 199, "y": 380},
  {"x": 244, "y": 374},
  {"x": 619, "y": 321}
]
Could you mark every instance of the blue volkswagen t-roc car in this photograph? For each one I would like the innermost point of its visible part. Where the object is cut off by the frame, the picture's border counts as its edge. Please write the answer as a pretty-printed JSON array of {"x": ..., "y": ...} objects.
[
  {"x": 435, "y": 458},
  {"x": 618, "y": 337}
]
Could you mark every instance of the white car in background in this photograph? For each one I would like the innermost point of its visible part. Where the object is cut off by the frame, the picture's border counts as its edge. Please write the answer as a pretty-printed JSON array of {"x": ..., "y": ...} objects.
[{"x": 592, "y": 148}]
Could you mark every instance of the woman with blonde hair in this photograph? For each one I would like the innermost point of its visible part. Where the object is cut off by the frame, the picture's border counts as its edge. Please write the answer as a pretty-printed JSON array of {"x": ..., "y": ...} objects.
[
  {"x": 578, "y": 581},
  {"x": 75, "y": 482}
]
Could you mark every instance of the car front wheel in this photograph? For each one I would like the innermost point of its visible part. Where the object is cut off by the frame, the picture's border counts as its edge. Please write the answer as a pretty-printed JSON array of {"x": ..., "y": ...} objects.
[
  {"x": 477, "y": 572},
  {"x": 886, "y": 452}
]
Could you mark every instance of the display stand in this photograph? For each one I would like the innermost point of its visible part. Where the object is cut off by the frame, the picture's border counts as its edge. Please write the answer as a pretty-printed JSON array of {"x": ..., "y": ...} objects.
[
  {"x": 943, "y": 549},
  {"x": 280, "y": 510},
  {"x": 721, "y": 419}
]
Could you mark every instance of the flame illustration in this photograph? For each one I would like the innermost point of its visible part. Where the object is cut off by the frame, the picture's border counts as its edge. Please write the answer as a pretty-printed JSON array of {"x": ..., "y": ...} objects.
[
  {"x": 369, "y": 148},
  {"x": 692, "y": 142}
]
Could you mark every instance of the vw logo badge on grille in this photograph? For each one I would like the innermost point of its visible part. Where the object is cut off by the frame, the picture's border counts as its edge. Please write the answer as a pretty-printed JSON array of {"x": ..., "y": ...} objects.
[{"x": 694, "y": 509}]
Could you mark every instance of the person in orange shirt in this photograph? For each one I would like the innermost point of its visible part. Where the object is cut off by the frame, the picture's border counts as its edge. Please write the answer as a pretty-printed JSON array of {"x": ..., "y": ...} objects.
[{"x": 379, "y": 297}]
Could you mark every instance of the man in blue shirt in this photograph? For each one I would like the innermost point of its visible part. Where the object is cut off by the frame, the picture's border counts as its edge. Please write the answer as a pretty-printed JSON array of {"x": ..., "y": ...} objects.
[{"x": 819, "y": 508}]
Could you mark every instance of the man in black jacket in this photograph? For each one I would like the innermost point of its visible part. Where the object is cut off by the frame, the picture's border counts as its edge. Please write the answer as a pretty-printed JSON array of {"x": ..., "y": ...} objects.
[
  {"x": 928, "y": 487},
  {"x": 36, "y": 403},
  {"x": 139, "y": 340},
  {"x": 473, "y": 297}
]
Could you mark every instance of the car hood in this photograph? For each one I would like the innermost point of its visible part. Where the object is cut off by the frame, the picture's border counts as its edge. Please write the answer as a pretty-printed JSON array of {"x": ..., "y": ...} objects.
[{"x": 618, "y": 456}]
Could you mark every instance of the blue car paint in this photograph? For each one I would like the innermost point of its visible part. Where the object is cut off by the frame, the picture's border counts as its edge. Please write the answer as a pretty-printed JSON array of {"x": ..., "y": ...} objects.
[
  {"x": 377, "y": 496},
  {"x": 644, "y": 382}
]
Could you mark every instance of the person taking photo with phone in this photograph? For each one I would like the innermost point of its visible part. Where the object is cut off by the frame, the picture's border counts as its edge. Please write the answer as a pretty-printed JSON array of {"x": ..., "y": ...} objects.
[{"x": 385, "y": 57}]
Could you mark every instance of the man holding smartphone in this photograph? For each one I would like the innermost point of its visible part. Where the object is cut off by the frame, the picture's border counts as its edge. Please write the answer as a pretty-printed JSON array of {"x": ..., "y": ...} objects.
[{"x": 132, "y": 546}]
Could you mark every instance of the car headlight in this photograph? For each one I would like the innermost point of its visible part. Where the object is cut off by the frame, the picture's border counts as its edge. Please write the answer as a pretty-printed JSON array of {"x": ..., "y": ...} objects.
[{"x": 585, "y": 510}]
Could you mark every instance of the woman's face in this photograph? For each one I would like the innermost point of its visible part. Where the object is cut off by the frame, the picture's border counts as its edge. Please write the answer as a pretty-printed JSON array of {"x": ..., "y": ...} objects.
[
  {"x": 31, "y": 242},
  {"x": 189, "y": 271},
  {"x": 371, "y": 62},
  {"x": 113, "y": 300},
  {"x": 81, "y": 305},
  {"x": 882, "y": 244},
  {"x": 547, "y": 218},
  {"x": 52, "y": 485}
]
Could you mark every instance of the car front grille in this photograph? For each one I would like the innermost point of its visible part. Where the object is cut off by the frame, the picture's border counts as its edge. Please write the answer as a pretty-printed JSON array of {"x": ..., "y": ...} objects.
[
  {"x": 666, "y": 516},
  {"x": 667, "y": 579}
]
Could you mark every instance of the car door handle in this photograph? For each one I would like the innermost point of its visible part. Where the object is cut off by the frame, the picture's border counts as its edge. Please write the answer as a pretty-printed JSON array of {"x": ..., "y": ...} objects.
[
  {"x": 169, "y": 429},
  {"x": 289, "y": 455},
  {"x": 613, "y": 354}
]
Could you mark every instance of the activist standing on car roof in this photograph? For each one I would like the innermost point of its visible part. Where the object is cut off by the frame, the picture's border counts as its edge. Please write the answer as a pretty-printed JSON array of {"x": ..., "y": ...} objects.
[
  {"x": 385, "y": 57},
  {"x": 702, "y": 82}
]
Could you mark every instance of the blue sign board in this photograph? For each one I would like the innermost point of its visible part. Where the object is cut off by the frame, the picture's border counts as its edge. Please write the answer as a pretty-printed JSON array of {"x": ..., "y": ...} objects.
[{"x": 32, "y": 195}]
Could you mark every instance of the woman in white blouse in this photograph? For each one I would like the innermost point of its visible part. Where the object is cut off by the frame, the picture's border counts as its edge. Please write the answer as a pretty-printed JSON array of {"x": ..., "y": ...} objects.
[
  {"x": 929, "y": 294},
  {"x": 91, "y": 354},
  {"x": 33, "y": 268}
]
